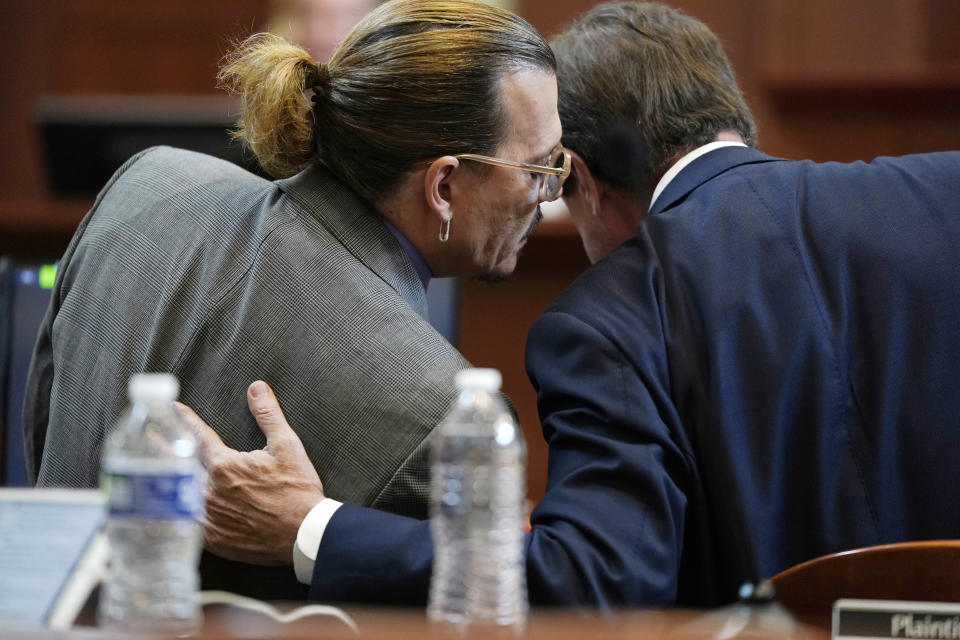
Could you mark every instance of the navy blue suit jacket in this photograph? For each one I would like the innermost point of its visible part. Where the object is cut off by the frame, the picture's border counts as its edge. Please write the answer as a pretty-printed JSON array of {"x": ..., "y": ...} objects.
[{"x": 767, "y": 372}]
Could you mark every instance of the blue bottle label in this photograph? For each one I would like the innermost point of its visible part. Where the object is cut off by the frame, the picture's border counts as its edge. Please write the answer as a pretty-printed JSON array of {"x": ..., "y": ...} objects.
[{"x": 160, "y": 496}]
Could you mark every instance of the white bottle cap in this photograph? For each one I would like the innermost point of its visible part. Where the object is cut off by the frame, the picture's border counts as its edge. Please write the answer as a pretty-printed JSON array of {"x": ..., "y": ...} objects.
[
  {"x": 153, "y": 387},
  {"x": 487, "y": 379}
]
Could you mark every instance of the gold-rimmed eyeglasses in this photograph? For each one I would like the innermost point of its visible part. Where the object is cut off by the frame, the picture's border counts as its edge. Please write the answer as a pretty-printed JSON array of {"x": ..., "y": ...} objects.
[{"x": 556, "y": 173}]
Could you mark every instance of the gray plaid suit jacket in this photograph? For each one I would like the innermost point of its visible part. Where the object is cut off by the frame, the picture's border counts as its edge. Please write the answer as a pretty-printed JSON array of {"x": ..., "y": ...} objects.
[{"x": 192, "y": 265}]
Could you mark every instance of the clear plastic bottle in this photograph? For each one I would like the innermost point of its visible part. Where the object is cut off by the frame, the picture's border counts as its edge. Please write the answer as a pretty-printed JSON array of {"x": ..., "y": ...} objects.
[
  {"x": 153, "y": 482},
  {"x": 477, "y": 508}
]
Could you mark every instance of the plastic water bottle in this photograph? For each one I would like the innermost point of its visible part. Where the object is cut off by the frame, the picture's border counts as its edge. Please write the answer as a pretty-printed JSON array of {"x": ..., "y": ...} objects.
[
  {"x": 152, "y": 478},
  {"x": 477, "y": 508}
]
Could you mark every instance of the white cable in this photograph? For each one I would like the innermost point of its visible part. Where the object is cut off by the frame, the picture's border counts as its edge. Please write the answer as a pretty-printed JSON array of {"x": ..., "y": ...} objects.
[{"x": 251, "y": 604}]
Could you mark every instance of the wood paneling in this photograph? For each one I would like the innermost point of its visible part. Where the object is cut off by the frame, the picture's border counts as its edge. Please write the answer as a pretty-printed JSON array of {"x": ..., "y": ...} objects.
[
  {"x": 103, "y": 46},
  {"x": 940, "y": 20},
  {"x": 858, "y": 79},
  {"x": 146, "y": 47},
  {"x": 828, "y": 36},
  {"x": 26, "y": 58}
]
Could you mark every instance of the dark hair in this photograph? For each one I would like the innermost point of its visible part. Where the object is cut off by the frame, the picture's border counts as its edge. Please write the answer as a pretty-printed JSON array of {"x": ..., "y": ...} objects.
[
  {"x": 415, "y": 79},
  {"x": 649, "y": 69}
]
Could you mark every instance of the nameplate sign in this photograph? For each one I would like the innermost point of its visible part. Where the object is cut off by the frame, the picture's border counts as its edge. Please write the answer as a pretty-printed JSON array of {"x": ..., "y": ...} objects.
[{"x": 882, "y": 619}]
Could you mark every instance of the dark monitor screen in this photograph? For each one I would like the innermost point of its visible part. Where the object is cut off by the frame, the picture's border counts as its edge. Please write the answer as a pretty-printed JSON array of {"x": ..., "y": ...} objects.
[
  {"x": 24, "y": 293},
  {"x": 87, "y": 138}
]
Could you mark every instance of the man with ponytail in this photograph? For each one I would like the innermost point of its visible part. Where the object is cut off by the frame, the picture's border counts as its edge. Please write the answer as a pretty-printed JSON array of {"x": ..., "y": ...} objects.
[{"x": 423, "y": 148}]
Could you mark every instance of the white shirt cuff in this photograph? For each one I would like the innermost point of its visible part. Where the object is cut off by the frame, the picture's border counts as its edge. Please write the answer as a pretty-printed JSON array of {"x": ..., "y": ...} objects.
[{"x": 309, "y": 536}]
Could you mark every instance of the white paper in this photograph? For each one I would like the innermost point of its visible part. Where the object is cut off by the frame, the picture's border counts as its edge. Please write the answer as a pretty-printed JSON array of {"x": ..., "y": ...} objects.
[{"x": 44, "y": 535}]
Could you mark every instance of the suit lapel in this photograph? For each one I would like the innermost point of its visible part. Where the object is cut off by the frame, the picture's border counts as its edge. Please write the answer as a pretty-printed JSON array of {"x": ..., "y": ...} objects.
[
  {"x": 359, "y": 228},
  {"x": 704, "y": 168}
]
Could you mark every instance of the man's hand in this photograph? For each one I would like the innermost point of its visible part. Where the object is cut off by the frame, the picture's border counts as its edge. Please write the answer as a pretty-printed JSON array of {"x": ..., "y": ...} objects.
[{"x": 256, "y": 500}]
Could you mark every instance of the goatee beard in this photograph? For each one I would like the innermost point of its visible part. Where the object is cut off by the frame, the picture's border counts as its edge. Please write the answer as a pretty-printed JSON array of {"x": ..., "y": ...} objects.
[{"x": 533, "y": 225}]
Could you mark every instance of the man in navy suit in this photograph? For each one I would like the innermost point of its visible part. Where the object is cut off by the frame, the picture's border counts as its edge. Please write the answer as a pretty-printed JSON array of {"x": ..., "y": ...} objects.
[{"x": 766, "y": 370}]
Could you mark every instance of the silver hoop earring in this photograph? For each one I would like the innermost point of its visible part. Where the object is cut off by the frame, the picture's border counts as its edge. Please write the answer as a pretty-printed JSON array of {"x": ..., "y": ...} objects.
[{"x": 445, "y": 230}]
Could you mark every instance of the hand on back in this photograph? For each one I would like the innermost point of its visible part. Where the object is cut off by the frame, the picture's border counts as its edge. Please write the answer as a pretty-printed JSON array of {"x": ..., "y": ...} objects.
[{"x": 256, "y": 500}]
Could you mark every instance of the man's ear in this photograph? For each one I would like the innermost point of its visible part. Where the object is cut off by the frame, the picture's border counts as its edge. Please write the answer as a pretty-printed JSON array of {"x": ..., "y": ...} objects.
[
  {"x": 437, "y": 188},
  {"x": 582, "y": 189}
]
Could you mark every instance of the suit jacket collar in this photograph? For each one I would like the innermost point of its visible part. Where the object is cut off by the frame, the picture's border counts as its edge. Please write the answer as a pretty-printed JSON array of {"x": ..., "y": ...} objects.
[
  {"x": 705, "y": 168},
  {"x": 357, "y": 226}
]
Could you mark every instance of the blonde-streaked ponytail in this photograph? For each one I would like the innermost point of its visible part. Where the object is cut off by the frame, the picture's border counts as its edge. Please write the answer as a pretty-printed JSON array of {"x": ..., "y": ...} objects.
[
  {"x": 271, "y": 76},
  {"x": 414, "y": 80}
]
